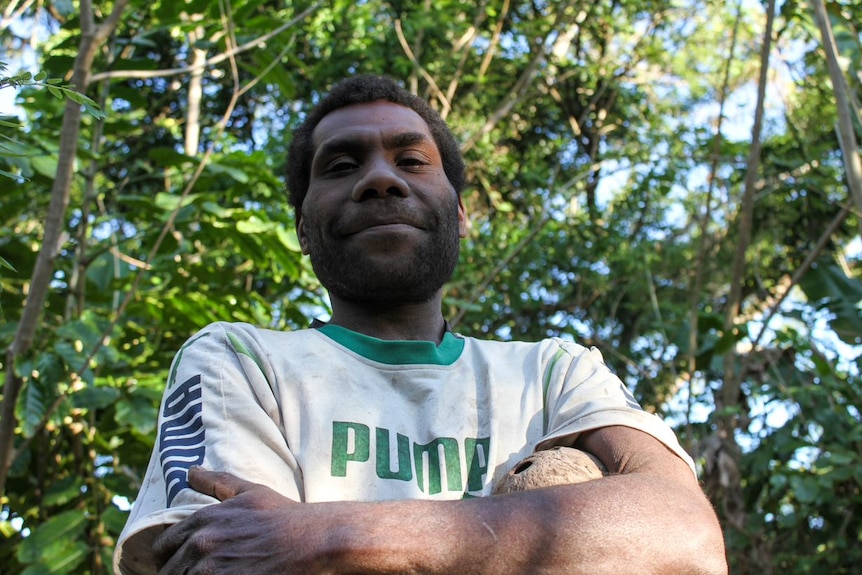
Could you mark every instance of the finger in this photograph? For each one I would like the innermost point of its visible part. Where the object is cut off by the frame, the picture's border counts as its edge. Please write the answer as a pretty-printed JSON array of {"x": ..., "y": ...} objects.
[
  {"x": 218, "y": 484},
  {"x": 167, "y": 543},
  {"x": 175, "y": 564}
]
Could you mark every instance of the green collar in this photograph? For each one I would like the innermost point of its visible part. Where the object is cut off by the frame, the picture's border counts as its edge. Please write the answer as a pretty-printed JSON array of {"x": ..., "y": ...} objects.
[{"x": 398, "y": 352}]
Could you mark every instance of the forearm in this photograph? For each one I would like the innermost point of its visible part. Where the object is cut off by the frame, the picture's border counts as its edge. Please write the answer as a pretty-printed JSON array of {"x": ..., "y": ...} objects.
[
  {"x": 620, "y": 524},
  {"x": 648, "y": 517}
]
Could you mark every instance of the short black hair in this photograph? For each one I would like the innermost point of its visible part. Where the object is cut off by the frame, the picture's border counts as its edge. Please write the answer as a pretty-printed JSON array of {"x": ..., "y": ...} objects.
[{"x": 361, "y": 90}]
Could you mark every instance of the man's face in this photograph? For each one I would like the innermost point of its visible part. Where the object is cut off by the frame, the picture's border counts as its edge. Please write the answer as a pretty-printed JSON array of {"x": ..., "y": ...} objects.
[{"x": 380, "y": 221}]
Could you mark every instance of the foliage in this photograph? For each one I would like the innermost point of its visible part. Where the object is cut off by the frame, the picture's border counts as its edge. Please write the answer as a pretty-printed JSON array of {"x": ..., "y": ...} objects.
[
  {"x": 55, "y": 86},
  {"x": 598, "y": 194},
  {"x": 10, "y": 148},
  {"x": 803, "y": 481}
]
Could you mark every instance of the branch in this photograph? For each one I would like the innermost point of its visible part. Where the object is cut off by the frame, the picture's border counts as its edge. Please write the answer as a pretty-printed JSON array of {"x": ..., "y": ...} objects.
[
  {"x": 803, "y": 268},
  {"x": 43, "y": 269},
  {"x": 728, "y": 396},
  {"x": 846, "y": 133},
  {"x": 519, "y": 90},
  {"x": 107, "y": 27},
  {"x": 516, "y": 95},
  {"x": 230, "y": 53},
  {"x": 697, "y": 282},
  {"x": 495, "y": 41},
  {"x": 143, "y": 267},
  {"x": 510, "y": 257},
  {"x": 501, "y": 265},
  {"x": 10, "y": 14},
  {"x": 428, "y": 78},
  {"x": 468, "y": 39}
]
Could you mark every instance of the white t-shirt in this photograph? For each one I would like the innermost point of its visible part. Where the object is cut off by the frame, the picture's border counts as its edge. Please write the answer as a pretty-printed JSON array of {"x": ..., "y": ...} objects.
[{"x": 332, "y": 415}]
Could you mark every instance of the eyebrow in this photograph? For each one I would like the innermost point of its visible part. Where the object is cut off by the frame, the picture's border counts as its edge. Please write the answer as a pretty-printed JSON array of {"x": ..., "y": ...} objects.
[
  {"x": 352, "y": 143},
  {"x": 338, "y": 145},
  {"x": 404, "y": 139}
]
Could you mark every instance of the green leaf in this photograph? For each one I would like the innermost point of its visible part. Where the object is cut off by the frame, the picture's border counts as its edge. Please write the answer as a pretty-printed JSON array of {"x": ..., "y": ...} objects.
[
  {"x": 64, "y": 7},
  {"x": 33, "y": 403},
  {"x": 45, "y": 166},
  {"x": 169, "y": 157},
  {"x": 87, "y": 329},
  {"x": 94, "y": 111},
  {"x": 253, "y": 226},
  {"x": 62, "y": 557},
  {"x": 288, "y": 238},
  {"x": 101, "y": 271},
  {"x": 64, "y": 491},
  {"x": 12, "y": 176},
  {"x": 828, "y": 285},
  {"x": 7, "y": 530},
  {"x": 11, "y": 148},
  {"x": 826, "y": 280},
  {"x": 56, "y": 92},
  {"x": 847, "y": 322},
  {"x": 139, "y": 410},
  {"x": 61, "y": 529},
  {"x": 170, "y": 202},
  {"x": 70, "y": 353},
  {"x": 74, "y": 96},
  {"x": 730, "y": 338},
  {"x": 233, "y": 173},
  {"x": 6, "y": 264},
  {"x": 841, "y": 458},
  {"x": 217, "y": 210},
  {"x": 95, "y": 397},
  {"x": 114, "y": 519}
]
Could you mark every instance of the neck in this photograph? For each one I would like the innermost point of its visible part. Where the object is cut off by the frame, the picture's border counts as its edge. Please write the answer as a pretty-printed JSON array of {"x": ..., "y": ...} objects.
[{"x": 412, "y": 321}]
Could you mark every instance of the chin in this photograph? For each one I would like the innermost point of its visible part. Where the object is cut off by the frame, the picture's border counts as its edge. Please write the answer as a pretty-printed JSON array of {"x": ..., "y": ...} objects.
[{"x": 384, "y": 294}]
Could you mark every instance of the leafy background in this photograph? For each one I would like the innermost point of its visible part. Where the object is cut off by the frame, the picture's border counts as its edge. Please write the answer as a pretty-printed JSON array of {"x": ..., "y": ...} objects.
[{"x": 641, "y": 178}]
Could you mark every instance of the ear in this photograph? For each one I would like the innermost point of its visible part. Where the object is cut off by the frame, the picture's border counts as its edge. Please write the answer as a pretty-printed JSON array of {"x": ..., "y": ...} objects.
[
  {"x": 463, "y": 221},
  {"x": 301, "y": 235}
]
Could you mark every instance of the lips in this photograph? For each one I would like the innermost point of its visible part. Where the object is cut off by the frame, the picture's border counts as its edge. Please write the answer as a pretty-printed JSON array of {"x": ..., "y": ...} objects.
[{"x": 391, "y": 221}]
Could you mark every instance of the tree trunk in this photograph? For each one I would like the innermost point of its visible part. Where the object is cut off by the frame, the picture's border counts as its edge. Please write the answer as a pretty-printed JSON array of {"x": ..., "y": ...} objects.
[
  {"x": 846, "y": 133},
  {"x": 91, "y": 38},
  {"x": 729, "y": 404},
  {"x": 193, "y": 113},
  {"x": 703, "y": 222}
]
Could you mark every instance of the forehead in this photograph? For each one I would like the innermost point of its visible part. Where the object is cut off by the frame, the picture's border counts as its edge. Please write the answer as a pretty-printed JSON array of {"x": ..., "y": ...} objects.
[{"x": 372, "y": 119}]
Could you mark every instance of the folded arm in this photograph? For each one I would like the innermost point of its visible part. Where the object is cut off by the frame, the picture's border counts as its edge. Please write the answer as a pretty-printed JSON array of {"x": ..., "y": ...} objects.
[{"x": 648, "y": 516}]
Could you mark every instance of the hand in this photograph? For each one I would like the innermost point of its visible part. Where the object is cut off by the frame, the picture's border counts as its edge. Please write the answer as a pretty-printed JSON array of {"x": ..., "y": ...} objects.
[{"x": 245, "y": 533}]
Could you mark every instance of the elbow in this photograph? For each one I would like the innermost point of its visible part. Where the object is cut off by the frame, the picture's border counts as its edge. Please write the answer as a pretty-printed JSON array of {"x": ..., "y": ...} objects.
[
  {"x": 715, "y": 562},
  {"x": 706, "y": 547},
  {"x": 711, "y": 562}
]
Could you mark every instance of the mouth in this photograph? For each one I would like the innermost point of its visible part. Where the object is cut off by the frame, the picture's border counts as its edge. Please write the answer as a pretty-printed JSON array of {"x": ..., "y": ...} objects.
[
  {"x": 389, "y": 224},
  {"x": 385, "y": 228}
]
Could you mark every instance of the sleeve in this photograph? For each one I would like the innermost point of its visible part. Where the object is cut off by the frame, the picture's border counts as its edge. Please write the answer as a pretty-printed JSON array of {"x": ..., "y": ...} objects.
[
  {"x": 582, "y": 393},
  {"x": 220, "y": 410}
]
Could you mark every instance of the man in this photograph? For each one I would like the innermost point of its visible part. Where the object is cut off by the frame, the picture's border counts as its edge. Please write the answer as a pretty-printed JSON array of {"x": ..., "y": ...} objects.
[{"x": 371, "y": 443}]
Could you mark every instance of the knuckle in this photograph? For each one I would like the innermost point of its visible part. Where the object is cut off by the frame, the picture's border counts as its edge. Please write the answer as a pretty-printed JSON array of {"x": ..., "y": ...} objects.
[
  {"x": 203, "y": 543},
  {"x": 206, "y": 567}
]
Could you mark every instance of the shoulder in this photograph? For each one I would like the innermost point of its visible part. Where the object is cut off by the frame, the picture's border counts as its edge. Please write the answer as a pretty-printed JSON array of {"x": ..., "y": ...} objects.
[
  {"x": 241, "y": 339},
  {"x": 548, "y": 349},
  {"x": 228, "y": 332}
]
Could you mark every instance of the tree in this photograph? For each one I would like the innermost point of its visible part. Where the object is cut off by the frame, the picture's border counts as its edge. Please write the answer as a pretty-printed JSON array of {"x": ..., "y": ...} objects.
[{"x": 605, "y": 177}]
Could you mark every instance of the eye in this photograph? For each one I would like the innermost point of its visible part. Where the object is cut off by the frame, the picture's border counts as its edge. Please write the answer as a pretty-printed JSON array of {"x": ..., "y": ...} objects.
[
  {"x": 412, "y": 161},
  {"x": 339, "y": 166}
]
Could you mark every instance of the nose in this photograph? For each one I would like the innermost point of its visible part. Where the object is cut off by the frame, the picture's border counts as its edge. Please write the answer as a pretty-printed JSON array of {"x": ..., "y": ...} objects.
[{"x": 381, "y": 179}]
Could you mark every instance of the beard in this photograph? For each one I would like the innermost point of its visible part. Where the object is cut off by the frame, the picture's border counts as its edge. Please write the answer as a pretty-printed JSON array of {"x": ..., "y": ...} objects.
[{"x": 349, "y": 272}]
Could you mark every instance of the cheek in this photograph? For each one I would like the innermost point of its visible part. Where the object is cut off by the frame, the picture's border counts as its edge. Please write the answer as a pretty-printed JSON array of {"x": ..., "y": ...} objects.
[
  {"x": 303, "y": 241},
  {"x": 313, "y": 225}
]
